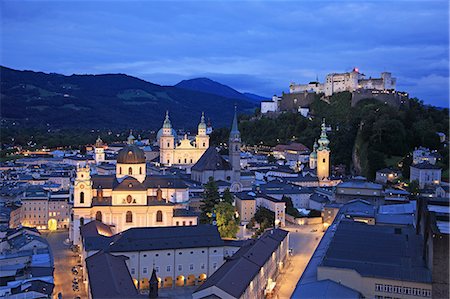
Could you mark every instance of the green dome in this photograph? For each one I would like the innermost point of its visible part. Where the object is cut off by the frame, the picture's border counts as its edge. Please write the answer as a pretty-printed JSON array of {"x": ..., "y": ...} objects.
[{"x": 202, "y": 124}]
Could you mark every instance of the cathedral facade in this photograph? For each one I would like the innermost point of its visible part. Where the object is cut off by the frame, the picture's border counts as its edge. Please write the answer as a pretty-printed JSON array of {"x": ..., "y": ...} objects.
[
  {"x": 129, "y": 198},
  {"x": 185, "y": 152}
]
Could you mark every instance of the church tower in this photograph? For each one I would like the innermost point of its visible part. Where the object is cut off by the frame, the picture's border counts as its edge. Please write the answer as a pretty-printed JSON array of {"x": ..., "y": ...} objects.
[
  {"x": 202, "y": 139},
  {"x": 82, "y": 193},
  {"x": 166, "y": 143},
  {"x": 99, "y": 151},
  {"x": 323, "y": 155},
  {"x": 234, "y": 148},
  {"x": 313, "y": 157}
]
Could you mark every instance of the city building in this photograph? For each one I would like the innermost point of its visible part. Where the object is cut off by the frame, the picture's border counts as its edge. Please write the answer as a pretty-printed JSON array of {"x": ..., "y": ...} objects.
[
  {"x": 252, "y": 271},
  {"x": 44, "y": 209},
  {"x": 211, "y": 164},
  {"x": 386, "y": 264},
  {"x": 359, "y": 189},
  {"x": 385, "y": 175},
  {"x": 425, "y": 174},
  {"x": 130, "y": 198},
  {"x": 323, "y": 155},
  {"x": 349, "y": 81},
  {"x": 26, "y": 265},
  {"x": 423, "y": 154},
  {"x": 185, "y": 153},
  {"x": 180, "y": 256}
]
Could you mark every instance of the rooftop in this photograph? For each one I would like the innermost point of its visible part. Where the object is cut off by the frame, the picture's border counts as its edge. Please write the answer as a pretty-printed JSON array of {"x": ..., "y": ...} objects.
[{"x": 378, "y": 251}]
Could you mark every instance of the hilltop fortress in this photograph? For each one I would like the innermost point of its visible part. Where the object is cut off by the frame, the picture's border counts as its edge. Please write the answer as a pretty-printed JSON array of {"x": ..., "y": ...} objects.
[{"x": 300, "y": 96}]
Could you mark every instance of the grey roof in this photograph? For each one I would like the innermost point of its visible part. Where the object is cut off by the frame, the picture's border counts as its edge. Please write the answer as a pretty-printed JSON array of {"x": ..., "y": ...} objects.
[
  {"x": 130, "y": 184},
  {"x": 319, "y": 198},
  {"x": 378, "y": 251},
  {"x": 171, "y": 237},
  {"x": 184, "y": 213},
  {"x": 244, "y": 195},
  {"x": 393, "y": 219},
  {"x": 156, "y": 181},
  {"x": 96, "y": 235},
  {"x": 358, "y": 208},
  {"x": 131, "y": 154},
  {"x": 38, "y": 286},
  {"x": 325, "y": 289},
  {"x": 109, "y": 276},
  {"x": 359, "y": 184},
  {"x": 235, "y": 275},
  {"x": 211, "y": 160},
  {"x": 425, "y": 165}
]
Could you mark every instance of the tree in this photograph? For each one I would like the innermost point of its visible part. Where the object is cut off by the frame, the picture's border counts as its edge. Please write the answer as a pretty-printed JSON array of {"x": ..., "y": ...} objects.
[
  {"x": 413, "y": 188},
  {"x": 210, "y": 199},
  {"x": 265, "y": 217},
  {"x": 271, "y": 159},
  {"x": 227, "y": 222},
  {"x": 290, "y": 207},
  {"x": 227, "y": 196}
]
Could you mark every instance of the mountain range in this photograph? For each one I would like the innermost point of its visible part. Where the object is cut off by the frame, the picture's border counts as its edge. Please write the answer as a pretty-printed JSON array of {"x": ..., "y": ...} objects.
[{"x": 36, "y": 99}]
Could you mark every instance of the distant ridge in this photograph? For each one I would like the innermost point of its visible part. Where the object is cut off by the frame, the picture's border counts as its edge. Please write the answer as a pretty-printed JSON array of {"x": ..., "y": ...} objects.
[
  {"x": 106, "y": 101},
  {"x": 213, "y": 87}
]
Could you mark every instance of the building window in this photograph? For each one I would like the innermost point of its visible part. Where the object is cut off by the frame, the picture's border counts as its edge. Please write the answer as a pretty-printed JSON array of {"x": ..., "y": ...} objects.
[
  {"x": 168, "y": 144},
  {"x": 191, "y": 160},
  {"x": 157, "y": 269},
  {"x": 203, "y": 266},
  {"x": 120, "y": 170},
  {"x": 191, "y": 267},
  {"x": 184, "y": 223},
  {"x": 140, "y": 170},
  {"x": 159, "y": 216},
  {"x": 129, "y": 199},
  {"x": 177, "y": 223},
  {"x": 130, "y": 171},
  {"x": 185, "y": 160},
  {"x": 100, "y": 193},
  {"x": 179, "y": 161},
  {"x": 129, "y": 217},
  {"x": 190, "y": 222},
  {"x": 204, "y": 144},
  {"x": 98, "y": 216},
  {"x": 81, "y": 197},
  {"x": 81, "y": 221},
  {"x": 168, "y": 268},
  {"x": 144, "y": 270},
  {"x": 132, "y": 271},
  {"x": 180, "y": 268},
  {"x": 214, "y": 265}
]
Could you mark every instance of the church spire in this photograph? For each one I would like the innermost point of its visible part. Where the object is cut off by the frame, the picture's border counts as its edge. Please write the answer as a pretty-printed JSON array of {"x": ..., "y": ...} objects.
[
  {"x": 323, "y": 141},
  {"x": 167, "y": 124},
  {"x": 235, "y": 134}
]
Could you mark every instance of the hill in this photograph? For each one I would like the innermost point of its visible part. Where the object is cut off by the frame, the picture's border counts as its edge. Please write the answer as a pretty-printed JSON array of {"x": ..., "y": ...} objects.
[
  {"x": 213, "y": 87},
  {"x": 36, "y": 99}
]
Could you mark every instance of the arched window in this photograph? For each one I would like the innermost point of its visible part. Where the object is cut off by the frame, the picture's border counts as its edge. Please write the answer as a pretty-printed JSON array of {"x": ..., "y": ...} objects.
[
  {"x": 323, "y": 160},
  {"x": 120, "y": 170},
  {"x": 159, "y": 216},
  {"x": 185, "y": 161},
  {"x": 168, "y": 144},
  {"x": 129, "y": 217},
  {"x": 130, "y": 171},
  {"x": 81, "y": 197},
  {"x": 98, "y": 216},
  {"x": 81, "y": 221},
  {"x": 179, "y": 161},
  {"x": 140, "y": 170},
  {"x": 236, "y": 148},
  {"x": 204, "y": 144}
]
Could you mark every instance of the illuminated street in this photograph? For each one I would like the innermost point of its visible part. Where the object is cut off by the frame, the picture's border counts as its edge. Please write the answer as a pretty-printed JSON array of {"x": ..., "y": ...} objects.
[
  {"x": 303, "y": 241},
  {"x": 64, "y": 259}
]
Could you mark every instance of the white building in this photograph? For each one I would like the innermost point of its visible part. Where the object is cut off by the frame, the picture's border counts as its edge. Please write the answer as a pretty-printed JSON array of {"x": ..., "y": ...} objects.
[
  {"x": 426, "y": 174},
  {"x": 423, "y": 154},
  {"x": 130, "y": 198},
  {"x": 350, "y": 81},
  {"x": 270, "y": 106}
]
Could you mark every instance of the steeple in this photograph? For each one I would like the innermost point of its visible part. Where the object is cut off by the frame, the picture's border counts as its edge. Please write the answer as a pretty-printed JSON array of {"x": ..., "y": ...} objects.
[
  {"x": 202, "y": 125},
  {"x": 130, "y": 139},
  {"x": 153, "y": 284},
  {"x": 98, "y": 142},
  {"x": 235, "y": 134},
  {"x": 167, "y": 124},
  {"x": 323, "y": 141}
]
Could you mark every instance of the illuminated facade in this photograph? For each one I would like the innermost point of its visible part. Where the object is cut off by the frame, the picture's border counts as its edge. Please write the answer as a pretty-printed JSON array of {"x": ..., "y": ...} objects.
[
  {"x": 129, "y": 198},
  {"x": 185, "y": 152}
]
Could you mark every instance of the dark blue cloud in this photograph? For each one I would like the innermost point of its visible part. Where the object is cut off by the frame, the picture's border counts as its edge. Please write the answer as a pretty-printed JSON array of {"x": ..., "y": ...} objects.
[{"x": 254, "y": 46}]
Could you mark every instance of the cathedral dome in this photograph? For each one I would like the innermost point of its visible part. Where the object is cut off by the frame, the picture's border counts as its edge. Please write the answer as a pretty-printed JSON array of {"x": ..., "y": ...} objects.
[
  {"x": 160, "y": 132},
  {"x": 131, "y": 154}
]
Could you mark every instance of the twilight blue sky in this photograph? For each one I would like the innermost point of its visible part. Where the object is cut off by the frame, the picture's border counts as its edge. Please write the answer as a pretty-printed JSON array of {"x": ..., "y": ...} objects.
[{"x": 254, "y": 46}]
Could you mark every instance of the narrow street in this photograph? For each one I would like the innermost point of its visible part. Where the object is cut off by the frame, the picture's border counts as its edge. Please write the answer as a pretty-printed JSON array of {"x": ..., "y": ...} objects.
[
  {"x": 64, "y": 259},
  {"x": 303, "y": 240}
]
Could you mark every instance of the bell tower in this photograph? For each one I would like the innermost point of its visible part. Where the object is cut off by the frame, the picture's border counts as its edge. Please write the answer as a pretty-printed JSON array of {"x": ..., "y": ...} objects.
[
  {"x": 234, "y": 149},
  {"x": 323, "y": 155},
  {"x": 166, "y": 143},
  {"x": 202, "y": 139},
  {"x": 82, "y": 187},
  {"x": 99, "y": 151},
  {"x": 313, "y": 156}
]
